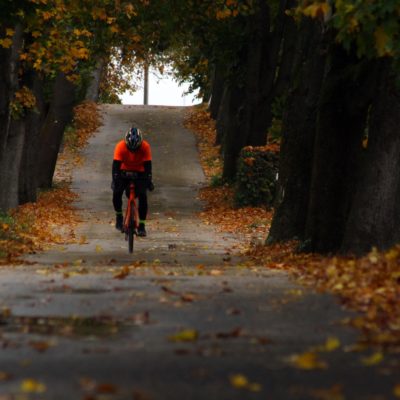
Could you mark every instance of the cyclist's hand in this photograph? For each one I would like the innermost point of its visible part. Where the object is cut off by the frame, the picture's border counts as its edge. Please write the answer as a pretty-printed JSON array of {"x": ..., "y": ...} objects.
[{"x": 150, "y": 186}]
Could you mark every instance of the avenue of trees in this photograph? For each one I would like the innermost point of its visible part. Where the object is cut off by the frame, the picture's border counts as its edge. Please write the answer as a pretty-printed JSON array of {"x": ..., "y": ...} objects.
[{"x": 327, "y": 69}]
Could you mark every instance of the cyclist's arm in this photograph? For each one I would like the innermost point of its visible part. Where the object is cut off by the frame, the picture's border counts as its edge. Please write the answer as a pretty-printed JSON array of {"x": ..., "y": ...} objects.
[
  {"x": 147, "y": 168},
  {"x": 116, "y": 168}
]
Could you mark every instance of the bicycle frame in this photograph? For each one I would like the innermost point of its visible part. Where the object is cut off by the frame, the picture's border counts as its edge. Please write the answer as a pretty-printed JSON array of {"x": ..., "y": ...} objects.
[{"x": 131, "y": 217}]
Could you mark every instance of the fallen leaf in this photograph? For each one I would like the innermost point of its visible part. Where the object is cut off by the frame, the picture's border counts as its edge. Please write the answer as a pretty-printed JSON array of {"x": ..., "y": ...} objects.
[
  {"x": 106, "y": 388},
  {"x": 332, "y": 343},
  {"x": 32, "y": 386},
  {"x": 231, "y": 334},
  {"x": 5, "y": 376},
  {"x": 123, "y": 273},
  {"x": 373, "y": 359},
  {"x": 308, "y": 360},
  {"x": 239, "y": 381},
  {"x": 40, "y": 346},
  {"x": 186, "y": 335}
]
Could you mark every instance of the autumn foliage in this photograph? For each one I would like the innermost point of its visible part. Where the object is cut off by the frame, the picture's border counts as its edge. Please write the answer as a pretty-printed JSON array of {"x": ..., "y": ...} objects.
[{"x": 51, "y": 220}]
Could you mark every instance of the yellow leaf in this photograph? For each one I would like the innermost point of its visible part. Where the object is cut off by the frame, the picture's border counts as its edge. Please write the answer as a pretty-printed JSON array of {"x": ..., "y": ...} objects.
[
  {"x": 254, "y": 387},
  {"x": 6, "y": 43},
  {"x": 396, "y": 390},
  {"x": 239, "y": 381},
  {"x": 373, "y": 359},
  {"x": 36, "y": 34},
  {"x": 32, "y": 386},
  {"x": 392, "y": 254},
  {"x": 381, "y": 42},
  {"x": 9, "y": 32},
  {"x": 99, "y": 249},
  {"x": 317, "y": 10},
  {"x": 186, "y": 335},
  {"x": 332, "y": 343},
  {"x": 308, "y": 360}
]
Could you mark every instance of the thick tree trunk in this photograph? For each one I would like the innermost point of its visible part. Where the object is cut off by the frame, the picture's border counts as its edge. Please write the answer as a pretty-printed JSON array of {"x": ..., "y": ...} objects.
[
  {"x": 93, "y": 91},
  {"x": 287, "y": 61},
  {"x": 11, "y": 130},
  {"x": 374, "y": 219},
  {"x": 58, "y": 117},
  {"x": 216, "y": 91},
  {"x": 257, "y": 79},
  {"x": 341, "y": 124},
  {"x": 28, "y": 183},
  {"x": 11, "y": 161},
  {"x": 223, "y": 116},
  {"x": 234, "y": 140},
  {"x": 298, "y": 135},
  {"x": 270, "y": 45}
]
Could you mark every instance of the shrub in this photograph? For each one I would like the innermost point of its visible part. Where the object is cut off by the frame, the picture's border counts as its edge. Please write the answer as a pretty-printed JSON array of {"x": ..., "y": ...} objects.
[{"x": 256, "y": 176}]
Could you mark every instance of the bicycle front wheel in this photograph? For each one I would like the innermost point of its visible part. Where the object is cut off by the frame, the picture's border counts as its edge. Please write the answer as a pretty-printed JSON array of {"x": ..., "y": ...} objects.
[{"x": 131, "y": 232}]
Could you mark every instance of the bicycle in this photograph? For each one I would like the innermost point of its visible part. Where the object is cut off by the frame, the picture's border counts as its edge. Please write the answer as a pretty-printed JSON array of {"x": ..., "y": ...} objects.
[{"x": 131, "y": 218}]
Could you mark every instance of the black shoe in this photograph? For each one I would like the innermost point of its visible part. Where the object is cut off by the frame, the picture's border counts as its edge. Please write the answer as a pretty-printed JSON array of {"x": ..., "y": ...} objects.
[
  {"x": 119, "y": 222},
  {"x": 141, "y": 230}
]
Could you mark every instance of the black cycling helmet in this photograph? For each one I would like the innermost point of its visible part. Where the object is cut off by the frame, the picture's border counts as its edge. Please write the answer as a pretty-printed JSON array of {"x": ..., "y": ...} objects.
[{"x": 133, "y": 139}]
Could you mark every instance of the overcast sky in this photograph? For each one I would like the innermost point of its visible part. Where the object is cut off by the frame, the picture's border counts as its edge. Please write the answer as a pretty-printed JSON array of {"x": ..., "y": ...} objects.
[{"x": 163, "y": 91}]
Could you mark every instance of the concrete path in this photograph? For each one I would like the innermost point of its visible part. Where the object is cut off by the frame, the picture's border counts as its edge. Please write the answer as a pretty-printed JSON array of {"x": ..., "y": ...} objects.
[{"x": 182, "y": 317}]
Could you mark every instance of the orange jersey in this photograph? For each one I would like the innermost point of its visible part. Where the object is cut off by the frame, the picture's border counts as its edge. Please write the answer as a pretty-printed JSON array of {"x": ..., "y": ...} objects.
[{"x": 132, "y": 161}]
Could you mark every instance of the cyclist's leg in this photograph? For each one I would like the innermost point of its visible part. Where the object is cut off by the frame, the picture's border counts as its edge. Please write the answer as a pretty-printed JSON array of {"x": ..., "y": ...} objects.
[
  {"x": 141, "y": 194},
  {"x": 118, "y": 192}
]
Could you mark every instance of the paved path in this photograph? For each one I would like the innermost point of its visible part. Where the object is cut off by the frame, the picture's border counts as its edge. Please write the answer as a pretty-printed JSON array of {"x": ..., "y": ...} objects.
[{"x": 71, "y": 325}]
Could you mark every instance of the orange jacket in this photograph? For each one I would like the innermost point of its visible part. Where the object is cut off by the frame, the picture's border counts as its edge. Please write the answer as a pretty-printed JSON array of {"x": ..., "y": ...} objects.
[{"x": 132, "y": 161}]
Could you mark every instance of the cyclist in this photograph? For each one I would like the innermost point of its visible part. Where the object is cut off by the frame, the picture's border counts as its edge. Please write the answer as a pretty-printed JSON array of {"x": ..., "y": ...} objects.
[{"x": 132, "y": 154}]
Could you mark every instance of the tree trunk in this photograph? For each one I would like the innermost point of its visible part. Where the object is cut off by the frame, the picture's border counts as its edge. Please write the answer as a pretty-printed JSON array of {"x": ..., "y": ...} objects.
[
  {"x": 374, "y": 218},
  {"x": 258, "y": 55},
  {"x": 341, "y": 124},
  {"x": 287, "y": 60},
  {"x": 234, "y": 140},
  {"x": 216, "y": 91},
  {"x": 58, "y": 117},
  {"x": 223, "y": 116},
  {"x": 93, "y": 91},
  {"x": 11, "y": 161},
  {"x": 298, "y": 135},
  {"x": 28, "y": 183},
  {"x": 11, "y": 130}
]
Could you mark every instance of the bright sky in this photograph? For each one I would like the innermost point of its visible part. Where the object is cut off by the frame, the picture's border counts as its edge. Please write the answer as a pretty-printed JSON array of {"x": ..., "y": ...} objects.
[{"x": 163, "y": 91}]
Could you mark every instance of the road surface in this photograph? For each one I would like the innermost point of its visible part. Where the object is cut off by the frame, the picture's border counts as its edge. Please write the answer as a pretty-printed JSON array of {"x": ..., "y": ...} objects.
[{"x": 183, "y": 317}]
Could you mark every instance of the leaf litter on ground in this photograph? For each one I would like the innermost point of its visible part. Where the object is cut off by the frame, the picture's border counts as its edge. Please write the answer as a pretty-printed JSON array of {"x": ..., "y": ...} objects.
[{"x": 369, "y": 285}]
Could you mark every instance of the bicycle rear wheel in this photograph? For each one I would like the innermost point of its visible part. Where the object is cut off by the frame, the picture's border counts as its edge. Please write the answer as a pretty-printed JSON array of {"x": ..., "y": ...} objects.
[{"x": 131, "y": 232}]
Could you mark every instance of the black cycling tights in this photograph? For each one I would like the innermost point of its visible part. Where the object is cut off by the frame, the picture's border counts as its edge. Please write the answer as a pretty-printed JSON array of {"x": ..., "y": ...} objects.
[{"x": 117, "y": 202}]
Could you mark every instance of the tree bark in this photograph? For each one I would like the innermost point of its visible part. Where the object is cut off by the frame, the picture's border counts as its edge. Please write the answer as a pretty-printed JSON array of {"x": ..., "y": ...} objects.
[
  {"x": 342, "y": 118},
  {"x": 28, "y": 182},
  {"x": 234, "y": 140},
  {"x": 223, "y": 116},
  {"x": 11, "y": 130},
  {"x": 216, "y": 91},
  {"x": 58, "y": 117},
  {"x": 93, "y": 91},
  {"x": 287, "y": 61},
  {"x": 258, "y": 64},
  {"x": 298, "y": 135},
  {"x": 374, "y": 218}
]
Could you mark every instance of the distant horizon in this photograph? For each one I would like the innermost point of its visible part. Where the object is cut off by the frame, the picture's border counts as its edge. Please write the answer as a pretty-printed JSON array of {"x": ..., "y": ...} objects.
[{"x": 163, "y": 91}]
